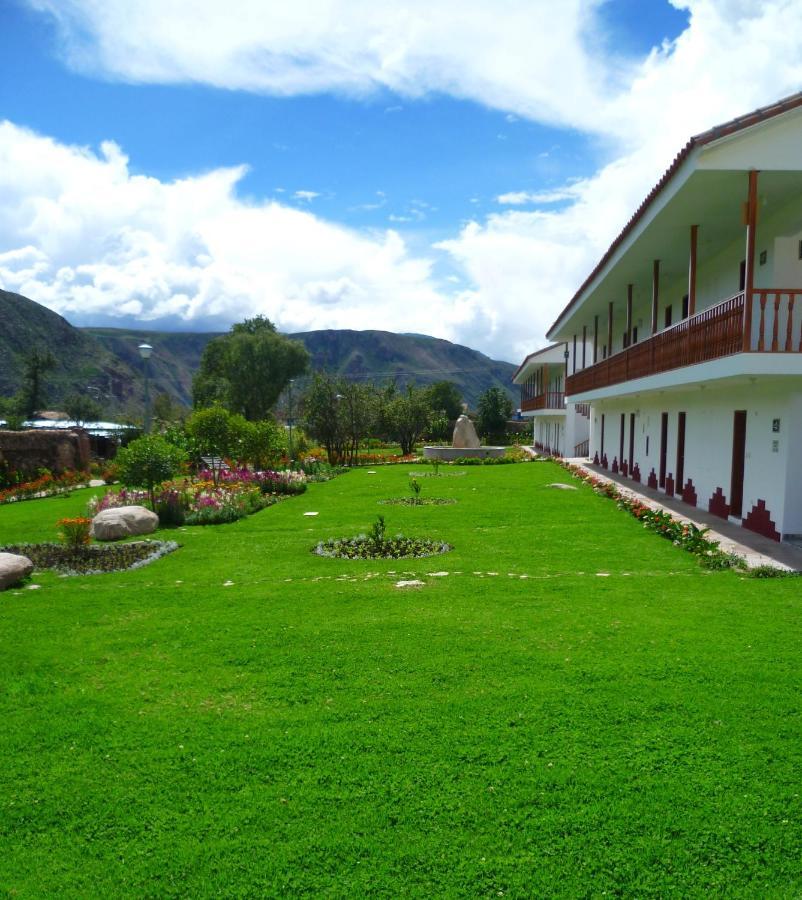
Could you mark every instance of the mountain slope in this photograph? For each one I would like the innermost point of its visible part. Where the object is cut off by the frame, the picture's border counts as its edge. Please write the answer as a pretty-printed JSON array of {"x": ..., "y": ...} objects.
[{"x": 106, "y": 361}]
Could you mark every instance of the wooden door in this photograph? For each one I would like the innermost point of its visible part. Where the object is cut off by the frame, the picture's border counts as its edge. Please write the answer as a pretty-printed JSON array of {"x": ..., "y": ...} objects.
[
  {"x": 738, "y": 462},
  {"x": 631, "y": 442},
  {"x": 680, "y": 479}
]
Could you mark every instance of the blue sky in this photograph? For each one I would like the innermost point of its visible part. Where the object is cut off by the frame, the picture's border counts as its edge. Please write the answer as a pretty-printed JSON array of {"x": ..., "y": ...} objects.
[{"x": 406, "y": 167}]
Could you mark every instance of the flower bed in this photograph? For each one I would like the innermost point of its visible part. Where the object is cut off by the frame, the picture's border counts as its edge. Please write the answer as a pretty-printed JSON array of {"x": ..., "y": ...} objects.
[
  {"x": 192, "y": 502},
  {"x": 377, "y": 545},
  {"x": 419, "y": 501},
  {"x": 93, "y": 559},
  {"x": 364, "y": 547},
  {"x": 46, "y": 485},
  {"x": 682, "y": 534}
]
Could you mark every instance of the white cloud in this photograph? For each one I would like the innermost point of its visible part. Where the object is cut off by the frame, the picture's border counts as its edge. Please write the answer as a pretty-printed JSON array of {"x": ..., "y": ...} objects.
[
  {"x": 87, "y": 238},
  {"x": 308, "y": 196},
  {"x": 88, "y": 235},
  {"x": 501, "y": 57},
  {"x": 521, "y": 198}
]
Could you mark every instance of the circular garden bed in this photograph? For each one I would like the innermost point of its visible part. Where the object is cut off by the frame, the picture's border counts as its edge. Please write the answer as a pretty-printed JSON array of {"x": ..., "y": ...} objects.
[
  {"x": 364, "y": 547},
  {"x": 92, "y": 559},
  {"x": 419, "y": 501}
]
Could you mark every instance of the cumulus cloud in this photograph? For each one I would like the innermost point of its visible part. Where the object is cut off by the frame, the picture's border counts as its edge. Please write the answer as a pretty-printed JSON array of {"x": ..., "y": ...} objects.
[
  {"x": 83, "y": 234},
  {"x": 503, "y": 55},
  {"x": 89, "y": 239}
]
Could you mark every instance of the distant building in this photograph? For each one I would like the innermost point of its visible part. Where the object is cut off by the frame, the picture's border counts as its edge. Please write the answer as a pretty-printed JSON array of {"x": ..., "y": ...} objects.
[{"x": 559, "y": 427}]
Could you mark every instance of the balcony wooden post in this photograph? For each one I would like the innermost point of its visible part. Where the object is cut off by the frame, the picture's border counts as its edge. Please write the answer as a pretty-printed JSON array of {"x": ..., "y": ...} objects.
[
  {"x": 629, "y": 315},
  {"x": 749, "y": 275},
  {"x": 692, "y": 271},
  {"x": 595, "y": 340},
  {"x": 573, "y": 363},
  {"x": 655, "y": 293},
  {"x": 584, "y": 347},
  {"x": 610, "y": 329}
]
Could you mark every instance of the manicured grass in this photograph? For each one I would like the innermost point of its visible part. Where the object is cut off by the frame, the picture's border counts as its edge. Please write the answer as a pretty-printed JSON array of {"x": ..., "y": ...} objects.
[{"x": 313, "y": 730}]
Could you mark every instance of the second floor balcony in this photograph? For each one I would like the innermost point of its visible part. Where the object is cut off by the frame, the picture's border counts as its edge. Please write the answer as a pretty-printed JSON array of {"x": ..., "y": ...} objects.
[
  {"x": 768, "y": 321},
  {"x": 550, "y": 400}
]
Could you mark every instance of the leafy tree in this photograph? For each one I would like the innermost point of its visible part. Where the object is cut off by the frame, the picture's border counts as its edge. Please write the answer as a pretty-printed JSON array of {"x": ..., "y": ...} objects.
[
  {"x": 323, "y": 417},
  {"x": 358, "y": 414},
  {"x": 165, "y": 410},
  {"x": 263, "y": 443},
  {"x": 444, "y": 396},
  {"x": 34, "y": 368},
  {"x": 217, "y": 433},
  {"x": 247, "y": 369},
  {"x": 407, "y": 417},
  {"x": 11, "y": 411},
  {"x": 494, "y": 409},
  {"x": 147, "y": 462},
  {"x": 81, "y": 408}
]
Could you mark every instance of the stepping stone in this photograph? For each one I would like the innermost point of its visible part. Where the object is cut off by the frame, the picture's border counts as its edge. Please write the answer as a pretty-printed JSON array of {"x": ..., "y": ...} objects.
[{"x": 562, "y": 487}]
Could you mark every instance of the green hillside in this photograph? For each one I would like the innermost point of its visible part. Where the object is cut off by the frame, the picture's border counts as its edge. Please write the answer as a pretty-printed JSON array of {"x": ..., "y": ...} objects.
[{"x": 105, "y": 361}]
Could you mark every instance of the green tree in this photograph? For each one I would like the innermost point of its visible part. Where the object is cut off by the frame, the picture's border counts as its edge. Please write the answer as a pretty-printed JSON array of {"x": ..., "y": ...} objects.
[
  {"x": 494, "y": 410},
  {"x": 247, "y": 369},
  {"x": 358, "y": 409},
  {"x": 407, "y": 417},
  {"x": 444, "y": 396},
  {"x": 11, "y": 410},
  {"x": 323, "y": 417},
  {"x": 147, "y": 462},
  {"x": 217, "y": 433},
  {"x": 81, "y": 408},
  {"x": 263, "y": 443},
  {"x": 165, "y": 410},
  {"x": 36, "y": 365}
]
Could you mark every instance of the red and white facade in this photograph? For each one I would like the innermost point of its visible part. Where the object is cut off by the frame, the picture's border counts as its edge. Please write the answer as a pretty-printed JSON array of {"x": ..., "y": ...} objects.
[
  {"x": 559, "y": 427},
  {"x": 693, "y": 329}
]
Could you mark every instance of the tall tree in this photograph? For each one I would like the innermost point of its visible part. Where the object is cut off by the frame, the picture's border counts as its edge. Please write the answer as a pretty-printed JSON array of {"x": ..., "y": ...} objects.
[
  {"x": 444, "y": 396},
  {"x": 247, "y": 369},
  {"x": 323, "y": 417},
  {"x": 36, "y": 365},
  {"x": 407, "y": 417},
  {"x": 494, "y": 409},
  {"x": 81, "y": 409}
]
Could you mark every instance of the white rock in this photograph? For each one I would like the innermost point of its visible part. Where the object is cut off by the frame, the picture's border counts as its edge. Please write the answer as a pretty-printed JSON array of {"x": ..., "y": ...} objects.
[
  {"x": 311, "y": 514},
  {"x": 562, "y": 487},
  {"x": 13, "y": 568},
  {"x": 415, "y": 582},
  {"x": 113, "y": 524}
]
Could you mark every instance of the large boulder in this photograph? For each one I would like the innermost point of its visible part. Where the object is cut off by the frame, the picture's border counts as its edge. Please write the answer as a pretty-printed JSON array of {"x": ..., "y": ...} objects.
[
  {"x": 13, "y": 568},
  {"x": 125, "y": 521}
]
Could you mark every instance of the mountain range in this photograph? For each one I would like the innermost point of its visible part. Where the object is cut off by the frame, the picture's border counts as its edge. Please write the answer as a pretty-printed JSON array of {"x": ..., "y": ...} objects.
[{"x": 106, "y": 363}]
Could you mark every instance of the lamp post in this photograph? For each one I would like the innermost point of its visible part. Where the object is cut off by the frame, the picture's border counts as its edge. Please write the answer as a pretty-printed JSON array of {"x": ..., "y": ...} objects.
[
  {"x": 289, "y": 412},
  {"x": 145, "y": 351}
]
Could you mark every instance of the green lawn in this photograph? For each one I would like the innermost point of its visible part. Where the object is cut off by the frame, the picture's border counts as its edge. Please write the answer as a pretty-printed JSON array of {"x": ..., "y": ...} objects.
[{"x": 314, "y": 730}]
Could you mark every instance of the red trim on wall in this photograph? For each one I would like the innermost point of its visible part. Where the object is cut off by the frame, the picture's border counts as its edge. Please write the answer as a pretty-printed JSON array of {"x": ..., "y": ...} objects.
[
  {"x": 718, "y": 504},
  {"x": 689, "y": 493},
  {"x": 636, "y": 472},
  {"x": 669, "y": 485},
  {"x": 651, "y": 481},
  {"x": 625, "y": 469},
  {"x": 604, "y": 461},
  {"x": 759, "y": 520},
  {"x": 596, "y": 458},
  {"x": 615, "y": 465}
]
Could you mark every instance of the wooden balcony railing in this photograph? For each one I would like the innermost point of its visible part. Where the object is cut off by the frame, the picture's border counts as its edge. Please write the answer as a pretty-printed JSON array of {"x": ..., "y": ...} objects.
[
  {"x": 770, "y": 323},
  {"x": 549, "y": 400}
]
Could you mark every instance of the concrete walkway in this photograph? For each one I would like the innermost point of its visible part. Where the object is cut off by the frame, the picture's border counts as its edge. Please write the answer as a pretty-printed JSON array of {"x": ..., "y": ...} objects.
[{"x": 755, "y": 549}]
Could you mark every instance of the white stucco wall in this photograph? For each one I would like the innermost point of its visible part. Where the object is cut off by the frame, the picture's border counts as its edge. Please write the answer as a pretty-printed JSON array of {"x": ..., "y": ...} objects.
[{"x": 770, "y": 468}]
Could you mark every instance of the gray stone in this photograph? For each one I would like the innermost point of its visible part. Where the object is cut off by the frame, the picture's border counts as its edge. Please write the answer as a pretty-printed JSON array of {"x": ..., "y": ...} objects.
[
  {"x": 13, "y": 568},
  {"x": 465, "y": 434},
  {"x": 562, "y": 487},
  {"x": 125, "y": 521}
]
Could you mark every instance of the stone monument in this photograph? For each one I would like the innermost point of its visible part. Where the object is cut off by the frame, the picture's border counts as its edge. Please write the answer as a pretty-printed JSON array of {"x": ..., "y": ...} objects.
[
  {"x": 465, "y": 442},
  {"x": 465, "y": 435}
]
